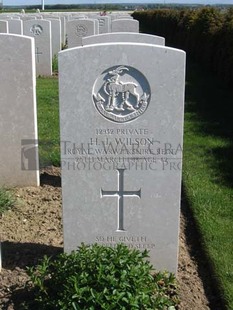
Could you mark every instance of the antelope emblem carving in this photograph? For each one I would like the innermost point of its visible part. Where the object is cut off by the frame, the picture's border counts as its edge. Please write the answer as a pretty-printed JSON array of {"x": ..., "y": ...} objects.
[{"x": 113, "y": 87}]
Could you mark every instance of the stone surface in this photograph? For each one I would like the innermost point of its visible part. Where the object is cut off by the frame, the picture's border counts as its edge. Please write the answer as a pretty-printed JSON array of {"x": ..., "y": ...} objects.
[
  {"x": 18, "y": 119},
  {"x": 40, "y": 30},
  {"x": 125, "y": 25},
  {"x": 104, "y": 24},
  {"x": 124, "y": 37},
  {"x": 121, "y": 147},
  {"x": 15, "y": 26},
  {"x": 77, "y": 29},
  {"x": 3, "y": 26},
  {"x": 56, "y": 35}
]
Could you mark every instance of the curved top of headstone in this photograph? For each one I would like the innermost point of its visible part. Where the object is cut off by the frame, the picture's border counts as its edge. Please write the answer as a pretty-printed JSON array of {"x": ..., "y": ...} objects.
[
  {"x": 125, "y": 25},
  {"x": 124, "y": 37}
]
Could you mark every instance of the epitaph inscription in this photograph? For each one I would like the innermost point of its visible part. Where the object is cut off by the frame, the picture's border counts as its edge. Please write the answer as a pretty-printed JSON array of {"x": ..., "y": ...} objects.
[
  {"x": 121, "y": 94},
  {"x": 120, "y": 194}
]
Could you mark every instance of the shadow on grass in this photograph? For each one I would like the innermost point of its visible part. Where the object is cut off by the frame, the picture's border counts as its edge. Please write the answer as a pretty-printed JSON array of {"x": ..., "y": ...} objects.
[
  {"x": 212, "y": 104},
  {"x": 197, "y": 250},
  {"x": 50, "y": 179},
  {"x": 224, "y": 158},
  {"x": 25, "y": 254}
]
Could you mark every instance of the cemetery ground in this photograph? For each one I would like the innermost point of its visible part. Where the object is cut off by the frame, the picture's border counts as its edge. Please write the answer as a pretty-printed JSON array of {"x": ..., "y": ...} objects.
[{"x": 32, "y": 228}]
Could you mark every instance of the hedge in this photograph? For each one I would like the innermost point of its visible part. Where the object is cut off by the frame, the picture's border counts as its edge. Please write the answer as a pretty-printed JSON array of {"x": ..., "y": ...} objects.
[{"x": 206, "y": 34}]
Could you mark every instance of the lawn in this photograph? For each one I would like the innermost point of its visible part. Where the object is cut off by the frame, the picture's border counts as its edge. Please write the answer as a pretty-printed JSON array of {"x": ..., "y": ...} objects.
[
  {"x": 48, "y": 121},
  {"x": 207, "y": 170}
]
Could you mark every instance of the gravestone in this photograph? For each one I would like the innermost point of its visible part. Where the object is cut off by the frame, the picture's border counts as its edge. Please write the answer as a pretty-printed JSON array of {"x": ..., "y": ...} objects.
[
  {"x": 125, "y": 25},
  {"x": 56, "y": 35},
  {"x": 18, "y": 120},
  {"x": 27, "y": 17},
  {"x": 77, "y": 29},
  {"x": 121, "y": 147},
  {"x": 3, "y": 26},
  {"x": 124, "y": 37},
  {"x": 40, "y": 30},
  {"x": 15, "y": 26},
  {"x": 104, "y": 23},
  {"x": 63, "y": 29}
]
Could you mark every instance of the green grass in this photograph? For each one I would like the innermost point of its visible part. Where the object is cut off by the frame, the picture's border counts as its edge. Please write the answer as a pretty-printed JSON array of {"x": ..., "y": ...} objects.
[
  {"x": 7, "y": 200},
  {"x": 48, "y": 121},
  {"x": 208, "y": 172}
]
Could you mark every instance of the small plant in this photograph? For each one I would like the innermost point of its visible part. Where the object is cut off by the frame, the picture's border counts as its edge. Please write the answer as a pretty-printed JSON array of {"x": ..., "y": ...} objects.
[
  {"x": 97, "y": 277},
  {"x": 7, "y": 200}
]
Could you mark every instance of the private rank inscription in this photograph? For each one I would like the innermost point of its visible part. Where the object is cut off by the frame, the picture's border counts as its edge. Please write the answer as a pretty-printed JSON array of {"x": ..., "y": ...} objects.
[{"x": 132, "y": 242}]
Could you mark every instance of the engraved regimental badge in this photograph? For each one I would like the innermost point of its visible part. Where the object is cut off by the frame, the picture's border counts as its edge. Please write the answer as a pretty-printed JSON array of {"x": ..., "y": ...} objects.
[
  {"x": 121, "y": 94},
  {"x": 81, "y": 30},
  {"x": 36, "y": 30}
]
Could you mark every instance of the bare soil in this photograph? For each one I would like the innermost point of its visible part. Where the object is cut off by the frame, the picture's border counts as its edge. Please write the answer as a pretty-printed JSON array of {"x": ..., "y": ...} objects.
[{"x": 33, "y": 228}]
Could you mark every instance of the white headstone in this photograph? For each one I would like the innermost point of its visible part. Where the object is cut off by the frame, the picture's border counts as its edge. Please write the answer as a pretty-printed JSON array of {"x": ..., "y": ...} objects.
[
  {"x": 18, "y": 119},
  {"x": 125, "y": 25},
  {"x": 104, "y": 24},
  {"x": 121, "y": 118},
  {"x": 63, "y": 29},
  {"x": 15, "y": 26},
  {"x": 56, "y": 35},
  {"x": 124, "y": 37},
  {"x": 4, "y": 26},
  {"x": 27, "y": 17},
  {"x": 40, "y": 30},
  {"x": 79, "y": 28}
]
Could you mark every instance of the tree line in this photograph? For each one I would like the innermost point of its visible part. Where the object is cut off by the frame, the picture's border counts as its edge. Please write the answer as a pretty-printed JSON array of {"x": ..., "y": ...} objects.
[{"x": 206, "y": 34}]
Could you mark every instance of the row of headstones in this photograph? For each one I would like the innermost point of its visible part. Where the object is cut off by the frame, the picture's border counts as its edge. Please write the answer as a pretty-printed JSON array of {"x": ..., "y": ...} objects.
[
  {"x": 121, "y": 124},
  {"x": 106, "y": 23},
  {"x": 51, "y": 32}
]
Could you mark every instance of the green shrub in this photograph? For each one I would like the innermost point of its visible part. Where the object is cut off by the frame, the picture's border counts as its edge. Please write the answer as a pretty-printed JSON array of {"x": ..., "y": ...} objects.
[
  {"x": 206, "y": 34},
  {"x": 7, "y": 200},
  {"x": 97, "y": 277}
]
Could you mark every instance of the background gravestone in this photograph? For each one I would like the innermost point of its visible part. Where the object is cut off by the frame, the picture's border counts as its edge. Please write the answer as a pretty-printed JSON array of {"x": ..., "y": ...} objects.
[
  {"x": 104, "y": 24},
  {"x": 19, "y": 164},
  {"x": 124, "y": 37},
  {"x": 15, "y": 26},
  {"x": 79, "y": 28},
  {"x": 56, "y": 35},
  {"x": 125, "y": 25},
  {"x": 121, "y": 146},
  {"x": 3, "y": 26},
  {"x": 40, "y": 30}
]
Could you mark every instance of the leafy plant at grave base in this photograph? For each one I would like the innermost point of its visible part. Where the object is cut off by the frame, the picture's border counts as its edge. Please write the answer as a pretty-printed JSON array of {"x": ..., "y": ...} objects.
[
  {"x": 7, "y": 201},
  {"x": 97, "y": 277}
]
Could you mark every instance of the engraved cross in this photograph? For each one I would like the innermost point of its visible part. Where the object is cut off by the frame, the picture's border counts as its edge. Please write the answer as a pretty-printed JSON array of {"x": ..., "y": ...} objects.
[
  {"x": 38, "y": 54},
  {"x": 120, "y": 194}
]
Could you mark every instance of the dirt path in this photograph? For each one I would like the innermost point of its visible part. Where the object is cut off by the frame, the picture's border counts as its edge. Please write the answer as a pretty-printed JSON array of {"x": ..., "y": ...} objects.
[{"x": 33, "y": 229}]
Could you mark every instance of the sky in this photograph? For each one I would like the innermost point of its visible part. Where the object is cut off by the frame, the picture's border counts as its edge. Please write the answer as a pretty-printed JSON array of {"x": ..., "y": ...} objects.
[{"x": 36, "y": 2}]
